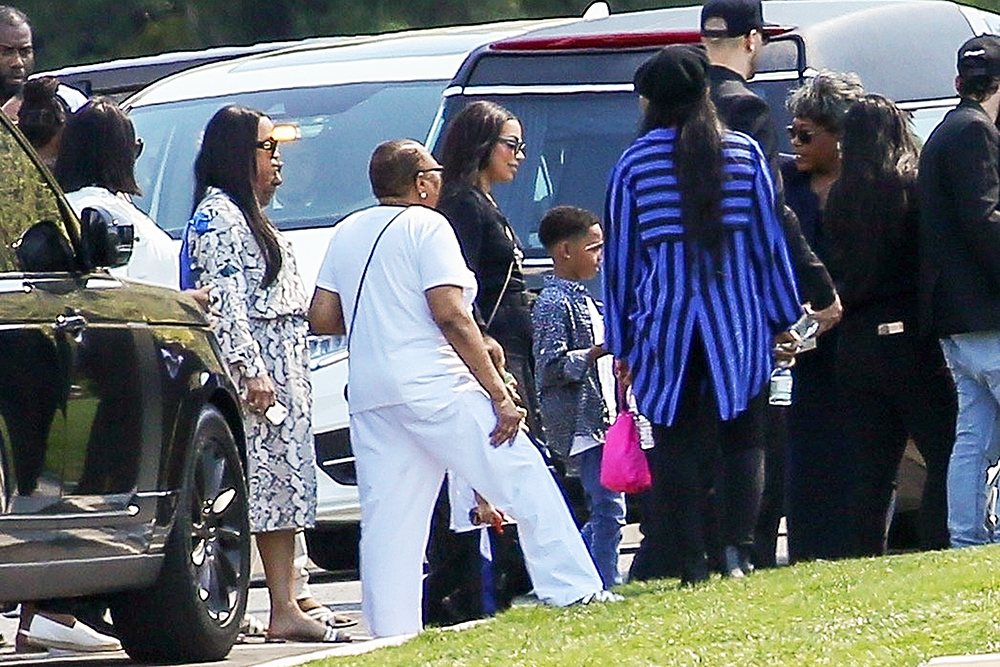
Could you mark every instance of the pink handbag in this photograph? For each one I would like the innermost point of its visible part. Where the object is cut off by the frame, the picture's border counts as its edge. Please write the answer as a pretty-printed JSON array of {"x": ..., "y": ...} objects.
[{"x": 623, "y": 464}]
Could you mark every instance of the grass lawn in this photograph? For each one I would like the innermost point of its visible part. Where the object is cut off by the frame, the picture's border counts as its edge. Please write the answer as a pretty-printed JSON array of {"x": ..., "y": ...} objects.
[{"x": 897, "y": 610}]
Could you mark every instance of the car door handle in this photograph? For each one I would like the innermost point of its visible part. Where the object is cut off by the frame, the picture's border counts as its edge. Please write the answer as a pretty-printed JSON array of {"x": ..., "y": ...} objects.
[{"x": 70, "y": 323}]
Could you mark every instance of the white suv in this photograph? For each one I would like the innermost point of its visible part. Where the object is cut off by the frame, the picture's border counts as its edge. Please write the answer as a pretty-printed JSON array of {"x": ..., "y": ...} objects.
[{"x": 345, "y": 98}]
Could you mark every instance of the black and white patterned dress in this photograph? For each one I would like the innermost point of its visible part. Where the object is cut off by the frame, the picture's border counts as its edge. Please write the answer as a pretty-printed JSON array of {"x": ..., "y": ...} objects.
[{"x": 261, "y": 330}]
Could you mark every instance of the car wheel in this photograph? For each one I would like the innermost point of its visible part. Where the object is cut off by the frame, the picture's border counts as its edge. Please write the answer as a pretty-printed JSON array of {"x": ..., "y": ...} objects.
[
  {"x": 334, "y": 548},
  {"x": 193, "y": 612}
]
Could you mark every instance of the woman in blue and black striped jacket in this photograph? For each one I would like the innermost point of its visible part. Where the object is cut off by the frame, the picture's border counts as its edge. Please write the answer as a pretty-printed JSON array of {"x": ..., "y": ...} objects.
[{"x": 697, "y": 284}]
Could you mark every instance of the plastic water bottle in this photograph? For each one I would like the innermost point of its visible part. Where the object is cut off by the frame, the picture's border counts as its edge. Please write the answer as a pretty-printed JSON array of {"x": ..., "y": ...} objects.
[
  {"x": 804, "y": 332},
  {"x": 781, "y": 386}
]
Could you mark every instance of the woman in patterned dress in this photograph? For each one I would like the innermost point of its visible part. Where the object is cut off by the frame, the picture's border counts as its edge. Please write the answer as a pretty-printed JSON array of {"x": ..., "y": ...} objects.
[{"x": 261, "y": 304}]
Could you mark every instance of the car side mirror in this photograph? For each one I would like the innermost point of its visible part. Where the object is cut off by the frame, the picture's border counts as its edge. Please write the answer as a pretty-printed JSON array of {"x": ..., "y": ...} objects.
[
  {"x": 43, "y": 248},
  {"x": 105, "y": 240}
]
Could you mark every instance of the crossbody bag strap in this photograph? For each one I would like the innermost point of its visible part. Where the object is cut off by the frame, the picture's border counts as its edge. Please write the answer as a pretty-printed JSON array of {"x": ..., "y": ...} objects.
[
  {"x": 364, "y": 272},
  {"x": 503, "y": 290}
]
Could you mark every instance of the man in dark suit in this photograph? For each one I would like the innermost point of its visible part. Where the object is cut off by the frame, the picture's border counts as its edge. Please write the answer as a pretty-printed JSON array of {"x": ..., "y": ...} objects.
[
  {"x": 959, "y": 189},
  {"x": 734, "y": 34}
]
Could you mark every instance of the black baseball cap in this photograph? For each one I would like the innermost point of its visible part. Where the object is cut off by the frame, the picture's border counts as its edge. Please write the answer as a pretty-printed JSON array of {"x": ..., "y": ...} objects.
[
  {"x": 980, "y": 56},
  {"x": 731, "y": 18}
]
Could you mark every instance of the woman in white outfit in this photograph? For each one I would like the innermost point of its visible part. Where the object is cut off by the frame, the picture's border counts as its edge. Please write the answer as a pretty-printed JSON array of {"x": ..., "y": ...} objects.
[
  {"x": 96, "y": 168},
  {"x": 425, "y": 396}
]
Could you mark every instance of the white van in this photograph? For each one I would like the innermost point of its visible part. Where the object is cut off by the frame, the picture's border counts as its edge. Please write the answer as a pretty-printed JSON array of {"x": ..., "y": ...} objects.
[{"x": 346, "y": 98}]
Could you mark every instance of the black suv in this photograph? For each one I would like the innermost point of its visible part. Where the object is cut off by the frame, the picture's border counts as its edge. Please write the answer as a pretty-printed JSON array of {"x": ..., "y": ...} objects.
[{"x": 121, "y": 445}]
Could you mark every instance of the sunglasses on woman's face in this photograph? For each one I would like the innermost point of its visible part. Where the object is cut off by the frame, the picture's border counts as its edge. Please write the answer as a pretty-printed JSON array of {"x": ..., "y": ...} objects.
[
  {"x": 801, "y": 135},
  {"x": 269, "y": 145},
  {"x": 514, "y": 144},
  {"x": 284, "y": 132}
]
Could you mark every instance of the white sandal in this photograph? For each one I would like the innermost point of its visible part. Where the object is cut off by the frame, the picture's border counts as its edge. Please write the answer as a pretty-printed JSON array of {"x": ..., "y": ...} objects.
[{"x": 328, "y": 617}]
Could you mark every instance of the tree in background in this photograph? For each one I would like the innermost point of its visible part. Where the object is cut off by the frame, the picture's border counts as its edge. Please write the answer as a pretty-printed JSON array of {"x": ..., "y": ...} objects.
[{"x": 69, "y": 32}]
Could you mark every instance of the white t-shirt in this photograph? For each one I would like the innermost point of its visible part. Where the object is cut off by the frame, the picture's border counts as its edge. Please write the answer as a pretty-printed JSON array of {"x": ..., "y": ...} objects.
[
  {"x": 398, "y": 353},
  {"x": 154, "y": 254}
]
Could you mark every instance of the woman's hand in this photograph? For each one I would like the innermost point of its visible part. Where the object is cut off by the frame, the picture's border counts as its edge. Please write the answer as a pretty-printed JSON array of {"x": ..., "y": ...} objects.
[
  {"x": 828, "y": 317},
  {"x": 260, "y": 393},
  {"x": 509, "y": 419},
  {"x": 201, "y": 295},
  {"x": 786, "y": 344}
]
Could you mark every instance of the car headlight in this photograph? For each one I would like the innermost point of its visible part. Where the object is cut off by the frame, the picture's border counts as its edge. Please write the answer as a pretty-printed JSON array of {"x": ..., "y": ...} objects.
[{"x": 326, "y": 350}]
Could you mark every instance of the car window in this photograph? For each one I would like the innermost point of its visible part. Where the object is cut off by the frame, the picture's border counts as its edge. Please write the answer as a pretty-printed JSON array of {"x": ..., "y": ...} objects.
[
  {"x": 326, "y": 171},
  {"x": 26, "y": 197},
  {"x": 925, "y": 120}
]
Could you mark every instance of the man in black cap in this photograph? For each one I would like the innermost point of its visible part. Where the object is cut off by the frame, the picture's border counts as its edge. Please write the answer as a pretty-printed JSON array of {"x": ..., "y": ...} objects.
[
  {"x": 959, "y": 189},
  {"x": 733, "y": 33}
]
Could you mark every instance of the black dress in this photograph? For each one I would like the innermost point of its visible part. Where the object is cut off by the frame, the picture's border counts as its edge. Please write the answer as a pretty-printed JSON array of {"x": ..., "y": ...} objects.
[
  {"x": 493, "y": 252},
  {"x": 820, "y": 464}
]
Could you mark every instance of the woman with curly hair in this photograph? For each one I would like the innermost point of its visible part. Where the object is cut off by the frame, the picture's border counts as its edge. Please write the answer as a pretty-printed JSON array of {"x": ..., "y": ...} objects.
[{"x": 819, "y": 463}]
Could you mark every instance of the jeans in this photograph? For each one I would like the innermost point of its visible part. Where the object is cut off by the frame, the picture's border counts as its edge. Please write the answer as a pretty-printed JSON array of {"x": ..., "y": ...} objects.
[
  {"x": 603, "y": 531},
  {"x": 974, "y": 360}
]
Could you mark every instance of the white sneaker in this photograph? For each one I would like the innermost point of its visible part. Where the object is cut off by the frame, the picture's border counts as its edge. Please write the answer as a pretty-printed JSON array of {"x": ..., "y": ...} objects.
[
  {"x": 45, "y": 632},
  {"x": 600, "y": 596}
]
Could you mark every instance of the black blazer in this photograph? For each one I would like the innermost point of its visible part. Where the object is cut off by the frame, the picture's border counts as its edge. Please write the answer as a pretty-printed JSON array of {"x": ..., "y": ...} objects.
[
  {"x": 743, "y": 110},
  {"x": 959, "y": 189}
]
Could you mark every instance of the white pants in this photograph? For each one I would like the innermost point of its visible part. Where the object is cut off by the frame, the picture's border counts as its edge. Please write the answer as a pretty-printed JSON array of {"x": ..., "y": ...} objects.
[{"x": 401, "y": 457}]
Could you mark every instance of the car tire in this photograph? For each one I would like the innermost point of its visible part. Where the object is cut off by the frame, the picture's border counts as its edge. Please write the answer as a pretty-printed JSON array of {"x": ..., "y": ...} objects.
[
  {"x": 334, "y": 548},
  {"x": 193, "y": 611}
]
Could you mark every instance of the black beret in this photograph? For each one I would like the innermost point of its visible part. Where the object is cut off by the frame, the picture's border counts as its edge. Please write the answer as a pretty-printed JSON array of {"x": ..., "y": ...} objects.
[{"x": 678, "y": 74}]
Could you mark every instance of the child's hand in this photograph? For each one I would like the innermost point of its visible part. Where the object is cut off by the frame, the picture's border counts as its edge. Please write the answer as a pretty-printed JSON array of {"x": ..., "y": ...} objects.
[
  {"x": 486, "y": 514},
  {"x": 623, "y": 373},
  {"x": 595, "y": 353}
]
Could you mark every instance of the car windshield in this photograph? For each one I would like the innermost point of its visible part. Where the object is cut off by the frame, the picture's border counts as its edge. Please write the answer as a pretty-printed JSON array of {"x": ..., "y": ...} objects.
[{"x": 325, "y": 172}]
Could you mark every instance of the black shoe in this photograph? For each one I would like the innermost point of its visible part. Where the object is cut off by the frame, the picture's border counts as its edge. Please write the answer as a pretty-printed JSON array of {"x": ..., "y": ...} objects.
[{"x": 694, "y": 573}]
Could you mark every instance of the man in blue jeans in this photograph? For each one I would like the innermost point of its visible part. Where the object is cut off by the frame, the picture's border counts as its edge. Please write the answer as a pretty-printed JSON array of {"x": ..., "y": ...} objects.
[{"x": 959, "y": 189}]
